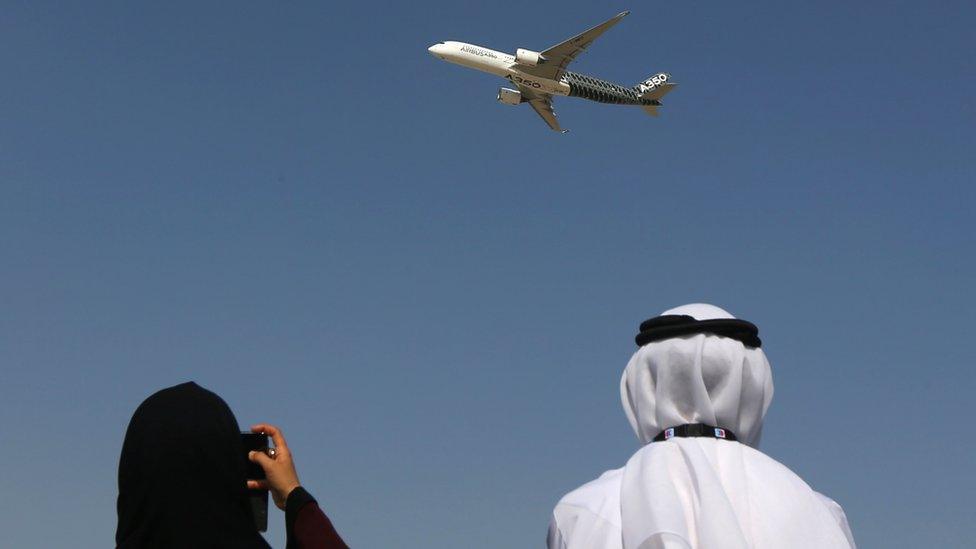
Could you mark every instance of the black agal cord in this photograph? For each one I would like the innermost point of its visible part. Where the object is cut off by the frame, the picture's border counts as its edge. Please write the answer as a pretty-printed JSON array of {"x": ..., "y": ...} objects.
[{"x": 668, "y": 326}]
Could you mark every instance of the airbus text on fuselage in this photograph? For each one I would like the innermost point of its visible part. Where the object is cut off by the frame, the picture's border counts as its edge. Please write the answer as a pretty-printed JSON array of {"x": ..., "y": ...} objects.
[{"x": 538, "y": 76}]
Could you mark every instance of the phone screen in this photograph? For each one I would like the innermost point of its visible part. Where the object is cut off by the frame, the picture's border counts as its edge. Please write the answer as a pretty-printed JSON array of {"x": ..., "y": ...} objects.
[{"x": 259, "y": 498}]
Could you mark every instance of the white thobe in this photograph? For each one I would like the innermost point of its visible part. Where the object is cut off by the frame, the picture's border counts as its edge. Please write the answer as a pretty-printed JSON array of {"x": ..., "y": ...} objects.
[{"x": 692, "y": 493}]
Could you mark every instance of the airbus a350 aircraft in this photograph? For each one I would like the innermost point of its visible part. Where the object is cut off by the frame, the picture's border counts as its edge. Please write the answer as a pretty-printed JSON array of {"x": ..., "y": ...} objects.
[{"x": 538, "y": 76}]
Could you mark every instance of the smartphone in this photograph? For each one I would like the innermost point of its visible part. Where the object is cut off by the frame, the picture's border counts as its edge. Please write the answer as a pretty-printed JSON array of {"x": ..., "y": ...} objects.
[{"x": 258, "y": 498}]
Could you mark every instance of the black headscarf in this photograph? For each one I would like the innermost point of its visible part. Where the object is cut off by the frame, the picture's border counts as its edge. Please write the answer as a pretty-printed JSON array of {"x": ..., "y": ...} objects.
[{"x": 182, "y": 475}]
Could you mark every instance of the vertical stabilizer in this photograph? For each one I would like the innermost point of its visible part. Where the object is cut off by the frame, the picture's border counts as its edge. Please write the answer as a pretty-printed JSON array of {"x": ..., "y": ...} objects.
[{"x": 655, "y": 87}]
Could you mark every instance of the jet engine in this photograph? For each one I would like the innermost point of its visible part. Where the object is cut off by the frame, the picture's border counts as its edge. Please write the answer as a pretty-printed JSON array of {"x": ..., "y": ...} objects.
[
  {"x": 528, "y": 58},
  {"x": 509, "y": 96}
]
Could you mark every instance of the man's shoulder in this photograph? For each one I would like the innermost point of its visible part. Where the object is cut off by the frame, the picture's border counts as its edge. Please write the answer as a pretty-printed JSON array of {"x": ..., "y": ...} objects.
[
  {"x": 600, "y": 496},
  {"x": 605, "y": 485},
  {"x": 589, "y": 516}
]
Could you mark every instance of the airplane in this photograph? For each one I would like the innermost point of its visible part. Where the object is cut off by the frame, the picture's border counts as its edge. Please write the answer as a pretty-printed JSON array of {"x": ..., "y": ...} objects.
[{"x": 539, "y": 76}]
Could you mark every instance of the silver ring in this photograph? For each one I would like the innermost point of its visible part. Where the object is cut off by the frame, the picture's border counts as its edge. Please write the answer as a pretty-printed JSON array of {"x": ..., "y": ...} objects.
[{"x": 272, "y": 453}]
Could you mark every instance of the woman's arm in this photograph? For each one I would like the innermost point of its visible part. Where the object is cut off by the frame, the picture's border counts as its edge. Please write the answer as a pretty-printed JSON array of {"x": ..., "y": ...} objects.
[{"x": 307, "y": 525}]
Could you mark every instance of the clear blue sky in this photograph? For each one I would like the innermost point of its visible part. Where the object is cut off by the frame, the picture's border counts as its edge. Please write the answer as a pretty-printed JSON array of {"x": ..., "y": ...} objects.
[{"x": 298, "y": 207}]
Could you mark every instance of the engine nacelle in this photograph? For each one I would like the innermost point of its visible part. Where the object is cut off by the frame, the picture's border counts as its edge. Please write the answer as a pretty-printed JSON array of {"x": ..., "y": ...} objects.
[
  {"x": 528, "y": 58},
  {"x": 509, "y": 96}
]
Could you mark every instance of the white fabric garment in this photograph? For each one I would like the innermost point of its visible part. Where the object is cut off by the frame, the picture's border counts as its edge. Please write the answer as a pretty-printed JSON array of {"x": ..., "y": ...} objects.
[{"x": 698, "y": 493}]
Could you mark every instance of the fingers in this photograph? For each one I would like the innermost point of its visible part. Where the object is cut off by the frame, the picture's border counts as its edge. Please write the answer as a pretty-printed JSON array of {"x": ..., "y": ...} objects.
[
  {"x": 260, "y": 458},
  {"x": 276, "y": 435},
  {"x": 258, "y": 485}
]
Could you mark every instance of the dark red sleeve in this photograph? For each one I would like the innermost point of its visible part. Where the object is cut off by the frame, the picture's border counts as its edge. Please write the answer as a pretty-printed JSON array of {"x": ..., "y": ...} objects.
[{"x": 307, "y": 526}]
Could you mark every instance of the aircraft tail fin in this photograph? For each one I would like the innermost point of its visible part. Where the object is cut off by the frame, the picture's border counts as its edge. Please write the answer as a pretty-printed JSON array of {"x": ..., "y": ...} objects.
[{"x": 655, "y": 87}]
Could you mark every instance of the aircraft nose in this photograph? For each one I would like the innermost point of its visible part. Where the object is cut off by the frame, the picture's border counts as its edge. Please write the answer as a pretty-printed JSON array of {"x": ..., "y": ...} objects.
[{"x": 437, "y": 50}]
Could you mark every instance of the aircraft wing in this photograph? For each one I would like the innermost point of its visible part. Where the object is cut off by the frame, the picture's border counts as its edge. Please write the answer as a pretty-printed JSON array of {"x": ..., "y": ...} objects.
[
  {"x": 541, "y": 103},
  {"x": 561, "y": 55},
  {"x": 544, "y": 108}
]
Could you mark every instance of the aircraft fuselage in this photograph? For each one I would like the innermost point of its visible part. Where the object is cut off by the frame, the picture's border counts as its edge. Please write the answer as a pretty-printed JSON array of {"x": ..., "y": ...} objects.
[
  {"x": 497, "y": 63},
  {"x": 504, "y": 65}
]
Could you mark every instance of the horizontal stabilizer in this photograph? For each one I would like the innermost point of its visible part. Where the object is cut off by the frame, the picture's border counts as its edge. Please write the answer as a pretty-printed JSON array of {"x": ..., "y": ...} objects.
[{"x": 650, "y": 109}]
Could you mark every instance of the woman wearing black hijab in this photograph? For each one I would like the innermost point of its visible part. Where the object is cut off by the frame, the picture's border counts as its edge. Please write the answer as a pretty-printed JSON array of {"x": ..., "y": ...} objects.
[{"x": 182, "y": 480}]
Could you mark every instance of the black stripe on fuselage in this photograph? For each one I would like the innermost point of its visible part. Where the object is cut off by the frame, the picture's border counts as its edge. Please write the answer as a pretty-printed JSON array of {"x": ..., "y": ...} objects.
[{"x": 603, "y": 91}]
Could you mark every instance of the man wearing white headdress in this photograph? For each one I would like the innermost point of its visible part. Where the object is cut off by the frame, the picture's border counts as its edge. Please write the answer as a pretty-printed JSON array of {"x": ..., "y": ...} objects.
[{"x": 696, "y": 392}]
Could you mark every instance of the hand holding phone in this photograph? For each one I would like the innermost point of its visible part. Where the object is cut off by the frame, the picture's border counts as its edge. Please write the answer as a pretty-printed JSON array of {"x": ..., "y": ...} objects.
[{"x": 281, "y": 477}]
